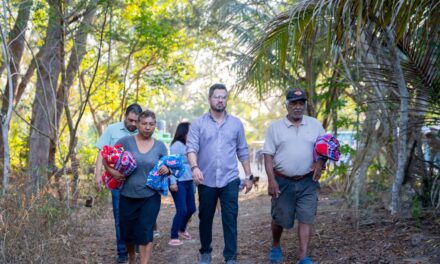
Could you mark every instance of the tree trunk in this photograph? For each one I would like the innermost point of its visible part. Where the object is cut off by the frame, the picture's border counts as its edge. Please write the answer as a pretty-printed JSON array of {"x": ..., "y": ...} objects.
[
  {"x": 16, "y": 43},
  {"x": 371, "y": 143},
  {"x": 44, "y": 105},
  {"x": 403, "y": 122},
  {"x": 376, "y": 128},
  {"x": 27, "y": 77},
  {"x": 6, "y": 116},
  {"x": 75, "y": 164},
  {"x": 76, "y": 57}
]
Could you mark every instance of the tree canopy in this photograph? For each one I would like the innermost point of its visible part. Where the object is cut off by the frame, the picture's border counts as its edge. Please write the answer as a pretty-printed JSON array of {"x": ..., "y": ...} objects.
[{"x": 370, "y": 68}]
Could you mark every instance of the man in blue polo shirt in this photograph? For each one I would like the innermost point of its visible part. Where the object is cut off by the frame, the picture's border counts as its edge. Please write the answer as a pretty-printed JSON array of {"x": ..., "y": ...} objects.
[{"x": 110, "y": 136}]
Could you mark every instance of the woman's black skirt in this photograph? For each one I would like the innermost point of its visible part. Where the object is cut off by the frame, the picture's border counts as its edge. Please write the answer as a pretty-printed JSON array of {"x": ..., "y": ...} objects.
[{"x": 137, "y": 217}]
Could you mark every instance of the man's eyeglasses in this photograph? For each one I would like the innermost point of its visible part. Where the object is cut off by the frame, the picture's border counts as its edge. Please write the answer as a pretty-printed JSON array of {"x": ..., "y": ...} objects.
[{"x": 216, "y": 97}]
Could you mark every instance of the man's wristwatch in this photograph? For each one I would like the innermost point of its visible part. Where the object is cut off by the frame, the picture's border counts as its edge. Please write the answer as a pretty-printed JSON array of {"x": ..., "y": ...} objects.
[
  {"x": 193, "y": 167},
  {"x": 250, "y": 177}
]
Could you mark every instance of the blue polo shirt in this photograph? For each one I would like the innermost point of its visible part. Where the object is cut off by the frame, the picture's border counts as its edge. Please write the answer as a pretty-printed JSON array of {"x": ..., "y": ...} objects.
[{"x": 112, "y": 134}]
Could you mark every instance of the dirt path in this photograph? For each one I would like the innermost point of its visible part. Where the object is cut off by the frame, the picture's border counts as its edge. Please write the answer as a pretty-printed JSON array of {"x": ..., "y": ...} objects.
[{"x": 338, "y": 238}]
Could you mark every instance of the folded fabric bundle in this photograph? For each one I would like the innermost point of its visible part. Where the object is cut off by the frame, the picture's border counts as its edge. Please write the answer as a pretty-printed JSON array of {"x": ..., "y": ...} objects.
[
  {"x": 119, "y": 159},
  {"x": 326, "y": 147},
  {"x": 161, "y": 182}
]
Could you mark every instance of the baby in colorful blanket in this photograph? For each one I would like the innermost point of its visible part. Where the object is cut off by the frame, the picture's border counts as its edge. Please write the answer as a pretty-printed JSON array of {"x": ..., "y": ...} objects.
[
  {"x": 122, "y": 161},
  {"x": 161, "y": 182},
  {"x": 326, "y": 147}
]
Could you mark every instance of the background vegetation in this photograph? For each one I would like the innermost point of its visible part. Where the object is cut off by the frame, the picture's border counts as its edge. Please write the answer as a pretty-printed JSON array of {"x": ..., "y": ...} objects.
[{"x": 69, "y": 68}]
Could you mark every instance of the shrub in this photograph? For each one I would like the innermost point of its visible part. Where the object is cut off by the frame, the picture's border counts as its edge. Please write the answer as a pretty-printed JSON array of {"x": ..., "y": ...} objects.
[{"x": 38, "y": 229}]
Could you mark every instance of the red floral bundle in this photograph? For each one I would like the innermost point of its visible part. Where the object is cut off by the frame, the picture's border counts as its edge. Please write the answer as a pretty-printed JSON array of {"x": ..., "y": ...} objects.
[{"x": 119, "y": 159}]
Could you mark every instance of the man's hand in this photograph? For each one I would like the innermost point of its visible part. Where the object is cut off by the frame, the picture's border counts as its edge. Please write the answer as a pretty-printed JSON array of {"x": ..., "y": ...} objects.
[
  {"x": 98, "y": 183},
  {"x": 174, "y": 188},
  {"x": 163, "y": 170},
  {"x": 98, "y": 172},
  {"x": 317, "y": 169},
  {"x": 273, "y": 189},
  {"x": 197, "y": 175},
  {"x": 248, "y": 184}
]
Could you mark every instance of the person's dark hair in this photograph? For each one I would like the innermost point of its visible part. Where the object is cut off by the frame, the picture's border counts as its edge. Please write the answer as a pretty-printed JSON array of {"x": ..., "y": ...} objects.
[
  {"x": 147, "y": 113},
  {"x": 133, "y": 108},
  {"x": 181, "y": 132},
  {"x": 217, "y": 86}
]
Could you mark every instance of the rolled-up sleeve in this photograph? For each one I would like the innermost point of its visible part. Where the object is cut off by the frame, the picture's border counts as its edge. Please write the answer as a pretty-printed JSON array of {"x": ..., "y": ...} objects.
[
  {"x": 321, "y": 130},
  {"x": 242, "y": 146},
  {"x": 269, "y": 142},
  {"x": 104, "y": 139},
  {"x": 192, "y": 144}
]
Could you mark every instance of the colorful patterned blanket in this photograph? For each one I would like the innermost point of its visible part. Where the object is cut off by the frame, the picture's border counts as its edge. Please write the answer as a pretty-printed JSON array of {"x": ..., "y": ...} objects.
[
  {"x": 161, "y": 182},
  {"x": 119, "y": 159},
  {"x": 326, "y": 147}
]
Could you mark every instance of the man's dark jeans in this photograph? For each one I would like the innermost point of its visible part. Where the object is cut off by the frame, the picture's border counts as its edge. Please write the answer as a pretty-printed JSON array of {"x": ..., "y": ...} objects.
[
  {"x": 120, "y": 245},
  {"x": 228, "y": 196}
]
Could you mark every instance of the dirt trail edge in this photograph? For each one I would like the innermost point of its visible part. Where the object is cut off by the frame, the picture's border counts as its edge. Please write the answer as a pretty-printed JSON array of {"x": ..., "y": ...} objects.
[{"x": 338, "y": 238}]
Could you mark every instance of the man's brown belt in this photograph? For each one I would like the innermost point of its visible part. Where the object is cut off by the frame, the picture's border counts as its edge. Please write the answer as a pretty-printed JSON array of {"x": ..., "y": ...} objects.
[{"x": 292, "y": 178}]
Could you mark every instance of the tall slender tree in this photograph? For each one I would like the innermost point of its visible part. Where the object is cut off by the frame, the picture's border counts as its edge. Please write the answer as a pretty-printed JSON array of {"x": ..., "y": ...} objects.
[
  {"x": 44, "y": 106},
  {"x": 14, "y": 49}
]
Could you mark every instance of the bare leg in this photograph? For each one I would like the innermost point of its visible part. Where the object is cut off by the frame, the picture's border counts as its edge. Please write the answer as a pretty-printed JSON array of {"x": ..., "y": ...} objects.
[
  {"x": 304, "y": 231},
  {"x": 131, "y": 253},
  {"x": 276, "y": 234},
  {"x": 145, "y": 251}
]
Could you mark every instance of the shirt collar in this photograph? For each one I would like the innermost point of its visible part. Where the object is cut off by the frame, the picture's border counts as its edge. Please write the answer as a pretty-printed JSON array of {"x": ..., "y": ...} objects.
[
  {"x": 210, "y": 116},
  {"x": 122, "y": 126},
  {"x": 289, "y": 124},
  {"x": 125, "y": 129}
]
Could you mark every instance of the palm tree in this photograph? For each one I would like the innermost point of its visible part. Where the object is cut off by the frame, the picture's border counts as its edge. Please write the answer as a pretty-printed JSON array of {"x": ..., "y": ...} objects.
[{"x": 388, "y": 51}]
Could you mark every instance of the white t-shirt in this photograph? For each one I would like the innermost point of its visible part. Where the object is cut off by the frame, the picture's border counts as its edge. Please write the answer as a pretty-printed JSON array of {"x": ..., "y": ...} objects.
[{"x": 291, "y": 146}]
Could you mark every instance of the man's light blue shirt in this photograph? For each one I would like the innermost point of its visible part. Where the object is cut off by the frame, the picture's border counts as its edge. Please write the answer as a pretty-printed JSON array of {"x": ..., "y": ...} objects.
[
  {"x": 217, "y": 148},
  {"x": 112, "y": 134}
]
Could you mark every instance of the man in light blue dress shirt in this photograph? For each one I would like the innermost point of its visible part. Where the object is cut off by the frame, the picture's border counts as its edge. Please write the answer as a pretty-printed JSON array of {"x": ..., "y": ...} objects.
[
  {"x": 111, "y": 135},
  {"x": 215, "y": 141}
]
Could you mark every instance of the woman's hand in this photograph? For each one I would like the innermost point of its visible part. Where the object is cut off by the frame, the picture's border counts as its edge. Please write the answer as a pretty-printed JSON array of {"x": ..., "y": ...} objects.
[
  {"x": 114, "y": 173},
  {"x": 118, "y": 176},
  {"x": 174, "y": 188},
  {"x": 163, "y": 170}
]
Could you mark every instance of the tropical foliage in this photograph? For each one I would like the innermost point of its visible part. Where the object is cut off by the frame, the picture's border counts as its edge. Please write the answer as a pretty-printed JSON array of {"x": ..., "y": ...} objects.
[
  {"x": 383, "y": 55},
  {"x": 369, "y": 67}
]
